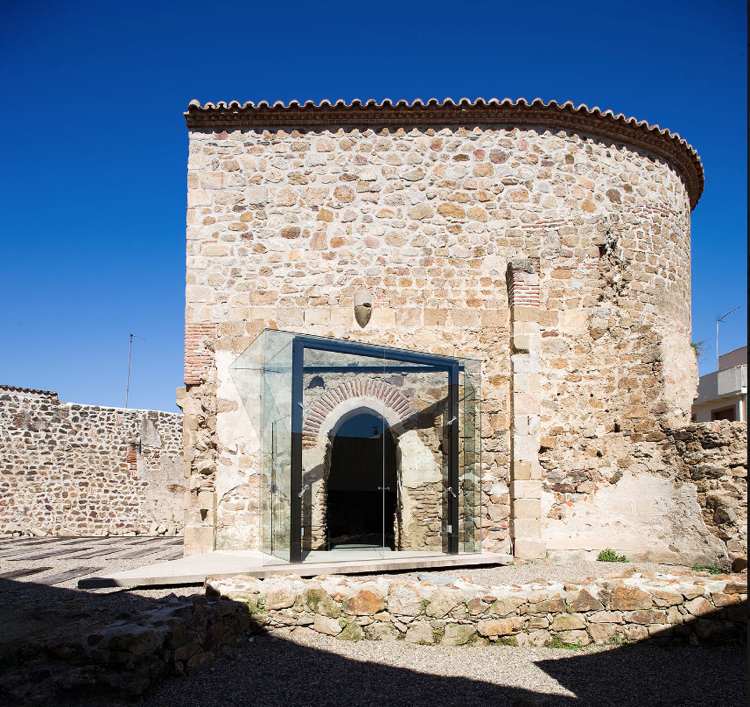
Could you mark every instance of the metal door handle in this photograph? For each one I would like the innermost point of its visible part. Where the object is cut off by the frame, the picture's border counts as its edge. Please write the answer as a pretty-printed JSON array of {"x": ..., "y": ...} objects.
[
  {"x": 451, "y": 492},
  {"x": 302, "y": 492},
  {"x": 384, "y": 488}
]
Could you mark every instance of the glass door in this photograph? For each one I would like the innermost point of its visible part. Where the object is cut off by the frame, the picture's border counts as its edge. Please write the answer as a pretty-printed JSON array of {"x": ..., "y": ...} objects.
[
  {"x": 345, "y": 445},
  {"x": 374, "y": 452}
]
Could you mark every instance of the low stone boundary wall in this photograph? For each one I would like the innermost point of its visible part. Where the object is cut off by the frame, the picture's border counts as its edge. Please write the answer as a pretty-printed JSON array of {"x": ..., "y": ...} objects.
[
  {"x": 630, "y": 608},
  {"x": 125, "y": 657}
]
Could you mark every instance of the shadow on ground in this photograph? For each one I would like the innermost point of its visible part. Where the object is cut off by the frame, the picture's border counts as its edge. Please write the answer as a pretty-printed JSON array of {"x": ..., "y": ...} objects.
[
  {"x": 274, "y": 670},
  {"x": 278, "y": 672}
]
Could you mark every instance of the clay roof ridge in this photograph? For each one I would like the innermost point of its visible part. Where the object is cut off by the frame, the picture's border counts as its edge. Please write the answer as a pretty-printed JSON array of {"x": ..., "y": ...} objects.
[{"x": 22, "y": 389}]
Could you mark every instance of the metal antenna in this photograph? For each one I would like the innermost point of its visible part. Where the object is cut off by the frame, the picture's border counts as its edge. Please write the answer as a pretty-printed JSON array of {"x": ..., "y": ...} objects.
[
  {"x": 718, "y": 320},
  {"x": 130, "y": 362}
]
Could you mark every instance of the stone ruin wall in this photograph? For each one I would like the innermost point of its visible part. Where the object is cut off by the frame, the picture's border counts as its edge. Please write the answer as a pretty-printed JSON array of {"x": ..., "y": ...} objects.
[
  {"x": 283, "y": 227},
  {"x": 713, "y": 457},
  {"x": 70, "y": 469}
]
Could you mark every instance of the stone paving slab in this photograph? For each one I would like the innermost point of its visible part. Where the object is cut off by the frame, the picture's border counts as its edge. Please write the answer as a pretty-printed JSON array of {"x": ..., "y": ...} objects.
[
  {"x": 51, "y": 546},
  {"x": 43, "y": 556},
  {"x": 92, "y": 553},
  {"x": 25, "y": 560},
  {"x": 25, "y": 572},
  {"x": 139, "y": 553},
  {"x": 61, "y": 577}
]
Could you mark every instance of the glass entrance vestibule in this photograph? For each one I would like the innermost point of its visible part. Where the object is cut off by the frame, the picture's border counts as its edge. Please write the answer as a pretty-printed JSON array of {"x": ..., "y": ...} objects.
[{"x": 363, "y": 452}]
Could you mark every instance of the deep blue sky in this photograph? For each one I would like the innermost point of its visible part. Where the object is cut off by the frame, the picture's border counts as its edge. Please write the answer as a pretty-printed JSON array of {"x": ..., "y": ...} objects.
[{"x": 93, "y": 141}]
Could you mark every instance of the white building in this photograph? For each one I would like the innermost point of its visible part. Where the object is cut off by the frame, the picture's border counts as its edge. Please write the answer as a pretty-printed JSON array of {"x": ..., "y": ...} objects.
[{"x": 722, "y": 395}]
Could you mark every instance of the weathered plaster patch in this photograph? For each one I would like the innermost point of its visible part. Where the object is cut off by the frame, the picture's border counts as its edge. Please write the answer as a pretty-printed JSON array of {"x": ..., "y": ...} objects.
[{"x": 647, "y": 517}]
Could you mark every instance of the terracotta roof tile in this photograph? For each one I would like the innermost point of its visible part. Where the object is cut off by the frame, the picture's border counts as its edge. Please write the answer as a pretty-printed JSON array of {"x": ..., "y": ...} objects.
[{"x": 21, "y": 389}]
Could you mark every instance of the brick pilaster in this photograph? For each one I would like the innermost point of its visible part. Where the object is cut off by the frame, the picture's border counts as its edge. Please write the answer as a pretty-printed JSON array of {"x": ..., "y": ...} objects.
[
  {"x": 526, "y": 483},
  {"x": 198, "y": 357}
]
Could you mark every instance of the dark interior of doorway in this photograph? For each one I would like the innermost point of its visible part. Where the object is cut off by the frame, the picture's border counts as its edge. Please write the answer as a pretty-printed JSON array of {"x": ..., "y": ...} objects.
[{"x": 362, "y": 484}]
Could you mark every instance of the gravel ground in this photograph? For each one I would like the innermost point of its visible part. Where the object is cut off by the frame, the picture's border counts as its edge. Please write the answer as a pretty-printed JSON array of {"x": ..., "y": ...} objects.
[
  {"x": 571, "y": 571},
  {"x": 306, "y": 668}
]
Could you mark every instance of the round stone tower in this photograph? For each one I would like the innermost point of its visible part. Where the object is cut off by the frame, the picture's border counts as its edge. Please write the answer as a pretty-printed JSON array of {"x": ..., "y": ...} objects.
[{"x": 551, "y": 241}]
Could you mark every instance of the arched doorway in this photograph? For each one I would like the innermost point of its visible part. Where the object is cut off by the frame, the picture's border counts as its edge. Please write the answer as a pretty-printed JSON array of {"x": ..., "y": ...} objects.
[{"x": 362, "y": 486}]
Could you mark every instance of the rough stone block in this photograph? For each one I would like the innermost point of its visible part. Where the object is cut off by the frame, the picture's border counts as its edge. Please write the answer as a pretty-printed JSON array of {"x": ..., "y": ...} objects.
[
  {"x": 526, "y": 528},
  {"x": 528, "y": 549},
  {"x": 525, "y": 447},
  {"x": 524, "y": 363},
  {"x": 526, "y": 470},
  {"x": 602, "y": 633},
  {"x": 420, "y": 632},
  {"x": 526, "y": 508},
  {"x": 526, "y": 489},
  {"x": 629, "y": 599},
  {"x": 699, "y": 606},
  {"x": 646, "y": 616},
  {"x": 525, "y": 404},
  {"x": 499, "y": 627},
  {"x": 199, "y": 539},
  {"x": 458, "y": 634},
  {"x": 364, "y": 603},
  {"x": 327, "y": 625},
  {"x": 568, "y": 622},
  {"x": 381, "y": 632},
  {"x": 523, "y": 342},
  {"x": 527, "y": 383},
  {"x": 577, "y": 637},
  {"x": 585, "y": 601},
  {"x": 524, "y": 314}
]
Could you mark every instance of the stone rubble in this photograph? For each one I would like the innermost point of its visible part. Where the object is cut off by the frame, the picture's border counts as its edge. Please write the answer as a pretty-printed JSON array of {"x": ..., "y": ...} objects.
[{"x": 124, "y": 657}]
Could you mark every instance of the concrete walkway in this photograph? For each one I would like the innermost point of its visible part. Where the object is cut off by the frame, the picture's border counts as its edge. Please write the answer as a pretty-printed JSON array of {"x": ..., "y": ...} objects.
[{"x": 196, "y": 568}]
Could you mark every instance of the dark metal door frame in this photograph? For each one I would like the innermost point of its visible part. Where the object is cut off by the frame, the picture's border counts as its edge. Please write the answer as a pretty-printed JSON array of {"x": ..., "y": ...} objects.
[{"x": 450, "y": 365}]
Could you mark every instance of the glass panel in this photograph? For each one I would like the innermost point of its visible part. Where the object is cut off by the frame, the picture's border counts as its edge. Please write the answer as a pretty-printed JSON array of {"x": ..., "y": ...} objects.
[
  {"x": 376, "y": 456},
  {"x": 419, "y": 406},
  {"x": 263, "y": 377},
  {"x": 277, "y": 415},
  {"x": 345, "y": 441},
  {"x": 469, "y": 458}
]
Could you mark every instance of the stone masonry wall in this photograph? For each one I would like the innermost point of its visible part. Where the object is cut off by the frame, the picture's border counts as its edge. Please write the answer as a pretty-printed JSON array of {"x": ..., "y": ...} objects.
[
  {"x": 663, "y": 494},
  {"x": 285, "y": 226},
  {"x": 713, "y": 456},
  {"x": 632, "y": 607},
  {"x": 70, "y": 469}
]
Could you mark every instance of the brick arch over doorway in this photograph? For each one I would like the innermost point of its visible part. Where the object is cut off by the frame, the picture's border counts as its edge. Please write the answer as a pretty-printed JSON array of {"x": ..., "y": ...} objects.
[
  {"x": 332, "y": 405},
  {"x": 417, "y": 448}
]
